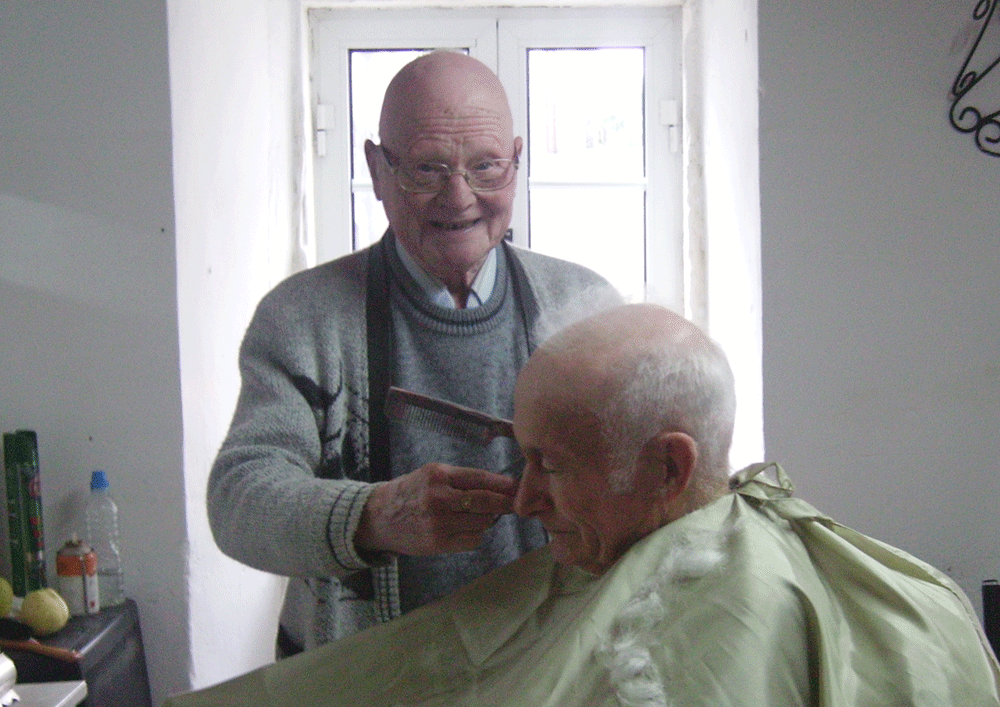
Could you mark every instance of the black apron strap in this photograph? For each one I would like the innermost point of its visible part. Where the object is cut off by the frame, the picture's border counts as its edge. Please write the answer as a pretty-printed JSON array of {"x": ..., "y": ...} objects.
[{"x": 379, "y": 323}]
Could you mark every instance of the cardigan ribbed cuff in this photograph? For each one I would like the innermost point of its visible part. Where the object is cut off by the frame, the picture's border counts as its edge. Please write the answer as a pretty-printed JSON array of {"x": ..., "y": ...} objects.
[{"x": 345, "y": 515}]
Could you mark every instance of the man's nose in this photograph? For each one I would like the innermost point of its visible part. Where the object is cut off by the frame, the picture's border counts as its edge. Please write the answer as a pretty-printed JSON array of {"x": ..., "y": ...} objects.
[
  {"x": 457, "y": 191},
  {"x": 532, "y": 493}
]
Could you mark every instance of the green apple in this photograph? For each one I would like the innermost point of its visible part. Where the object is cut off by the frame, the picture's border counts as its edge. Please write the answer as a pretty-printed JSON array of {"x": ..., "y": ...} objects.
[
  {"x": 45, "y": 611},
  {"x": 6, "y": 597}
]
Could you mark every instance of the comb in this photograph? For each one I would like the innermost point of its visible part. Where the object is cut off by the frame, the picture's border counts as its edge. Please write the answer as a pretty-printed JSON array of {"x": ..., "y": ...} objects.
[{"x": 445, "y": 417}]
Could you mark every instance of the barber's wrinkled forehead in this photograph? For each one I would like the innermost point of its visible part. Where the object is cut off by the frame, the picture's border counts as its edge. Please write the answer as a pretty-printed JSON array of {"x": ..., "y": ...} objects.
[{"x": 441, "y": 86}]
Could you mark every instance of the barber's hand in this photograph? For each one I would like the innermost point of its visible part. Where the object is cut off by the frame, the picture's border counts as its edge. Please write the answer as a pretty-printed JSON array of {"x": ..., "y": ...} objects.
[{"x": 435, "y": 509}]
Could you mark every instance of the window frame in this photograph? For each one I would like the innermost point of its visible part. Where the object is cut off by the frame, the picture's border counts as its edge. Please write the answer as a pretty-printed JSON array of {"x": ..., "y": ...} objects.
[{"x": 647, "y": 27}]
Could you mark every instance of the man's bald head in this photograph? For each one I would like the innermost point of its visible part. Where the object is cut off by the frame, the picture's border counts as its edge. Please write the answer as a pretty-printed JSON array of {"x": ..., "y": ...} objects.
[
  {"x": 438, "y": 86},
  {"x": 641, "y": 369}
]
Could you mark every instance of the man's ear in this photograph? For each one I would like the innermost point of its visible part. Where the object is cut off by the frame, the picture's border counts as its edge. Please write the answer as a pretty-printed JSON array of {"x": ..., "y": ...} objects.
[
  {"x": 373, "y": 155},
  {"x": 674, "y": 456}
]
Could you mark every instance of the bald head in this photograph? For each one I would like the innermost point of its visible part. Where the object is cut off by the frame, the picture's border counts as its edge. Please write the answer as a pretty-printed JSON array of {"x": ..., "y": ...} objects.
[
  {"x": 439, "y": 87},
  {"x": 600, "y": 352},
  {"x": 640, "y": 369}
]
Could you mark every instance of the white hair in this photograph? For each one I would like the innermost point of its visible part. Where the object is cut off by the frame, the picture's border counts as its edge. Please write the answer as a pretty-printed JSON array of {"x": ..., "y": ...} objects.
[
  {"x": 684, "y": 385},
  {"x": 680, "y": 383}
]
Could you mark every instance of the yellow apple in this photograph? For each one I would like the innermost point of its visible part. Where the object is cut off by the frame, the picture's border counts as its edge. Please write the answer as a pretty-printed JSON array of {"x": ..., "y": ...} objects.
[{"x": 45, "y": 611}]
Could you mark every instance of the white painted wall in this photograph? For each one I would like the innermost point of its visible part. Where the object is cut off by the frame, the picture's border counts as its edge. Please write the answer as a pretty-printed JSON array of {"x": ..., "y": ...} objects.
[
  {"x": 233, "y": 73},
  {"x": 88, "y": 318},
  {"x": 881, "y": 263}
]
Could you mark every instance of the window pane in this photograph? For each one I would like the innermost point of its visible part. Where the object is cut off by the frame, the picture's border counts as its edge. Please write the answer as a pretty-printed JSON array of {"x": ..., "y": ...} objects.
[
  {"x": 586, "y": 162},
  {"x": 369, "y": 217},
  {"x": 371, "y": 71},
  {"x": 599, "y": 227},
  {"x": 586, "y": 114}
]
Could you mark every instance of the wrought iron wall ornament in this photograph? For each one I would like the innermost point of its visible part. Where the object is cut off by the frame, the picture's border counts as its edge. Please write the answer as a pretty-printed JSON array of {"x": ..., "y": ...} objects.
[{"x": 975, "y": 106}]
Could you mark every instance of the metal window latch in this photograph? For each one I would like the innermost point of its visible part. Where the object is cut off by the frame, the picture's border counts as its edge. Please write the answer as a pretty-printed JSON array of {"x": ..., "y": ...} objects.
[
  {"x": 670, "y": 116},
  {"x": 324, "y": 123}
]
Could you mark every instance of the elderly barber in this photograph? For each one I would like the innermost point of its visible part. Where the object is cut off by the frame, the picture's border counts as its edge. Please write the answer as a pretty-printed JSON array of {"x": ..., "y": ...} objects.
[{"x": 372, "y": 518}]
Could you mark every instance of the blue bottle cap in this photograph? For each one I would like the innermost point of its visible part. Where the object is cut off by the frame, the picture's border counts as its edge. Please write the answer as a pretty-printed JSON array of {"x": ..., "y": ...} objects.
[{"x": 98, "y": 481}]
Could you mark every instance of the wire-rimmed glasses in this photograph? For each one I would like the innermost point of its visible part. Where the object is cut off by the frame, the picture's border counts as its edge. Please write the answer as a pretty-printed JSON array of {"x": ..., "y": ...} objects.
[{"x": 430, "y": 177}]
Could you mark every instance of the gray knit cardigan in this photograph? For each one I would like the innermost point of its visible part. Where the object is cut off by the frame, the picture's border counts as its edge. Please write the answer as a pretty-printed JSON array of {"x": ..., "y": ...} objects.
[{"x": 286, "y": 491}]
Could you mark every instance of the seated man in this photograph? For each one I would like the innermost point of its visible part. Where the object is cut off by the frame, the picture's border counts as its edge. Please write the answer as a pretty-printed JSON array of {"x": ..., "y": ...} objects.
[{"x": 665, "y": 581}]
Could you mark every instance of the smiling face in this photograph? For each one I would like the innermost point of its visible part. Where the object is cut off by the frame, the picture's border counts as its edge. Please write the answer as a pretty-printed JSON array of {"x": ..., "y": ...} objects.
[
  {"x": 567, "y": 482},
  {"x": 450, "y": 109}
]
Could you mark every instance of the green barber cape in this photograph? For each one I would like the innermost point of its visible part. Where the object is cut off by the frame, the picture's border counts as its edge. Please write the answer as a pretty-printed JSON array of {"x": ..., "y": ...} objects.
[{"x": 757, "y": 599}]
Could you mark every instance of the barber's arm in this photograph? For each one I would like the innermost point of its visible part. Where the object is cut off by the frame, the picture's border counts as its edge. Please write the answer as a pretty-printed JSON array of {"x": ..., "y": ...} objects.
[
  {"x": 270, "y": 505},
  {"x": 267, "y": 505}
]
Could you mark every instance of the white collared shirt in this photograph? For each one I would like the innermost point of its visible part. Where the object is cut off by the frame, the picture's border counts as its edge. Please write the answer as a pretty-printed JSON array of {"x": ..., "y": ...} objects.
[{"x": 482, "y": 286}]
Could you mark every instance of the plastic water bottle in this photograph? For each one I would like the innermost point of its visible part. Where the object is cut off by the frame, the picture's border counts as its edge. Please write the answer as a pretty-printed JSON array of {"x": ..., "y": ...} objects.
[{"x": 102, "y": 536}]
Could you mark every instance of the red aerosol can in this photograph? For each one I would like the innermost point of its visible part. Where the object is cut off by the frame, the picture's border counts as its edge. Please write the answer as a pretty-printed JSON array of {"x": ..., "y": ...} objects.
[{"x": 76, "y": 567}]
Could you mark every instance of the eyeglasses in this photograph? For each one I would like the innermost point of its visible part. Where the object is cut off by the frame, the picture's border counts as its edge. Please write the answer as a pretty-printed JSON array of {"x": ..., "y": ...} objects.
[{"x": 431, "y": 177}]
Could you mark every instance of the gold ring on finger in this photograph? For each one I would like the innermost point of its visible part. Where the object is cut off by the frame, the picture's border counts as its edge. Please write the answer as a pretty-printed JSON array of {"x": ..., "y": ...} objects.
[{"x": 466, "y": 502}]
